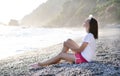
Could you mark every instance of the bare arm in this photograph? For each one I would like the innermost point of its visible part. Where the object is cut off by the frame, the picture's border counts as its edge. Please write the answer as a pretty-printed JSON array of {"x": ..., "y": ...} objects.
[{"x": 74, "y": 46}]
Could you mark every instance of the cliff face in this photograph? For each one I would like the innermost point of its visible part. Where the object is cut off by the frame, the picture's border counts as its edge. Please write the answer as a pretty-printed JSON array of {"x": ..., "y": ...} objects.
[
  {"x": 59, "y": 13},
  {"x": 74, "y": 12}
]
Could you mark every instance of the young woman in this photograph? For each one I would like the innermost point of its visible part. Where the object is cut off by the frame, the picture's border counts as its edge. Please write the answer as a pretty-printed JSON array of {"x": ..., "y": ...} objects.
[{"x": 83, "y": 53}]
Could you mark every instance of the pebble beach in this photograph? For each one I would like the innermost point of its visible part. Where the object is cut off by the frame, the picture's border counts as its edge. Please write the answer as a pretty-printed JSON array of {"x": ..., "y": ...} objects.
[{"x": 106, "y": 62}]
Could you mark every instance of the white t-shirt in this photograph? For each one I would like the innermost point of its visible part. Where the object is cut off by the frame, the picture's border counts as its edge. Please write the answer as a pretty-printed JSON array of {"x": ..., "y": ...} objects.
[{"x": 89, "y": 52}]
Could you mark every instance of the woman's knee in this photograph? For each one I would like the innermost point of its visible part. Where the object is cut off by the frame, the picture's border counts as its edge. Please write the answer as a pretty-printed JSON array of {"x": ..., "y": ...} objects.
[{"x": 69, "y": 40}]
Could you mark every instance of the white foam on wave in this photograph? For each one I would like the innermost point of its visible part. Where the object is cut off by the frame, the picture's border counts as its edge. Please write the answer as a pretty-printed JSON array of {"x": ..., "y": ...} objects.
[{"x": 14, "y": 39}]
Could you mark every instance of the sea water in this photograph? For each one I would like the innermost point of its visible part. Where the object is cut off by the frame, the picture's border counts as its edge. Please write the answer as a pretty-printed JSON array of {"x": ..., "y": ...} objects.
[{"x": 16, "y": 39}]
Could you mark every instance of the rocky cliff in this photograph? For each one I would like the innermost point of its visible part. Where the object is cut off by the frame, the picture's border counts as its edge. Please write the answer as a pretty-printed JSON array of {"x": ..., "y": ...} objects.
[{"x": 68, "y": 13}]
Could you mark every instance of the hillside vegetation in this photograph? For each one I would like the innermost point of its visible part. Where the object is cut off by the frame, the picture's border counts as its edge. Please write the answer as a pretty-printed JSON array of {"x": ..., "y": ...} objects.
[{"x": 71, "y": 13}]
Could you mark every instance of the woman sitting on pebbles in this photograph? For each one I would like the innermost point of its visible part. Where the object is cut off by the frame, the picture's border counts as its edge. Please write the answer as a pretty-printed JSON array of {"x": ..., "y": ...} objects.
[{"x": 83, "y": 53}]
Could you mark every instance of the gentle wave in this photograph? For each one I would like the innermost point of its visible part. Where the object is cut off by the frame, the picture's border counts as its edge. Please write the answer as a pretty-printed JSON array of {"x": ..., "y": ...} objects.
[{"x": 16, "y": 39}]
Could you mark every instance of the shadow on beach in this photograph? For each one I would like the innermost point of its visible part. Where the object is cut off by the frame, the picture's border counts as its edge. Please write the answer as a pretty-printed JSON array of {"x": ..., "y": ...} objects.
[{"x": 90, "y": 69}]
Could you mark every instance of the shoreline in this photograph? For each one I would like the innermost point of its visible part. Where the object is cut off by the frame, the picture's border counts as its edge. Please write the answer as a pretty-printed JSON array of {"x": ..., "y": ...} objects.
[
  {"x": 17, "y": 40},
  {"x": 107, "y": 61}
]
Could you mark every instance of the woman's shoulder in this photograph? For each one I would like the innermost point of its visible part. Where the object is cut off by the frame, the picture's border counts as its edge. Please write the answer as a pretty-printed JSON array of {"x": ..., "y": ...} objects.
[{"x": 88, "y": 38}]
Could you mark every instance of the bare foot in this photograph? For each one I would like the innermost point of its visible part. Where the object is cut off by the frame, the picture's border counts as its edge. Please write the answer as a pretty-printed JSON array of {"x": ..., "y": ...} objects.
[{"x": 35, "y": 65}]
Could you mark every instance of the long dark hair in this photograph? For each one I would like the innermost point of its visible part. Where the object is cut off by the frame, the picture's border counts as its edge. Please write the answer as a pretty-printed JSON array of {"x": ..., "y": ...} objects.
[{"x": 93, "y": 27}]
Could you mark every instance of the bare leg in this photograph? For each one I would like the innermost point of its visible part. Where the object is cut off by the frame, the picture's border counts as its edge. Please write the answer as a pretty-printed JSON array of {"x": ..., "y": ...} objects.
[
  {"x": 72, "y": 43},
  {"x": 65, "y": 56},
  {"x": 65, "y": 49}
]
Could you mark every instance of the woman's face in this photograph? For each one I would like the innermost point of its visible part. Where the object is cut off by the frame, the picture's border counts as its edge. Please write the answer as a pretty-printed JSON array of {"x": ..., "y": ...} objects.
[{"x": 86, "y": 25}]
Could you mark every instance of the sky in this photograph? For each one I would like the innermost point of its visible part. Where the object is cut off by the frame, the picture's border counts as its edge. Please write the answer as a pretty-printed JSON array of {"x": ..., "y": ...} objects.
[{"x": 17, "y": 9}]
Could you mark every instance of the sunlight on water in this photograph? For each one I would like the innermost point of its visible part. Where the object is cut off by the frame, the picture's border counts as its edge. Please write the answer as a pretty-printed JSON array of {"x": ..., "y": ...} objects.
[{"x": 15, "y": 40}]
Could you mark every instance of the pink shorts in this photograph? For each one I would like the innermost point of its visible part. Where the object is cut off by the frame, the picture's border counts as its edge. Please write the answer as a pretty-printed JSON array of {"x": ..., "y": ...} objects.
[{"x": 79, "y": 58}]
